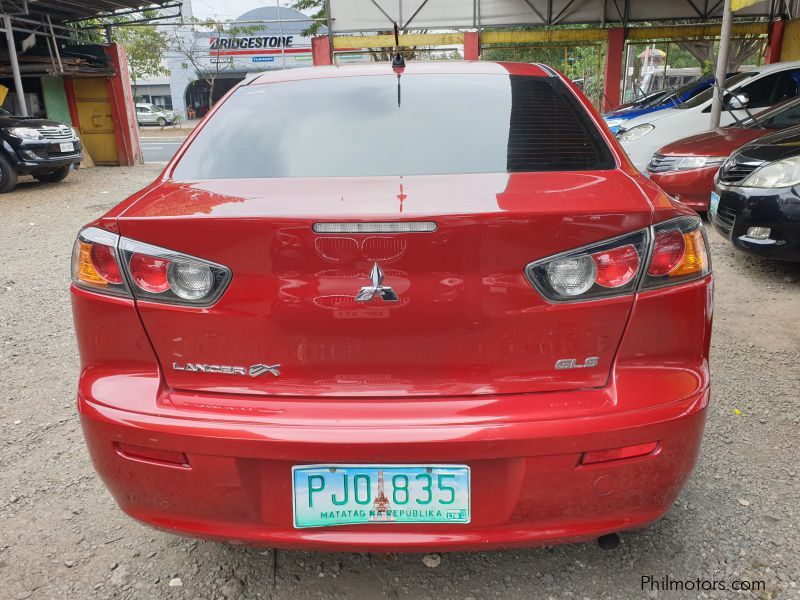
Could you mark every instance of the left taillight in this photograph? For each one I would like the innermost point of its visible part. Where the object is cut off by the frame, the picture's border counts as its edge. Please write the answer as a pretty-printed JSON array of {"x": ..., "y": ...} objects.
[
  {"x": 667, "y": 253},
  {"x": 107, "y": 263},
  {"x": 610, "y": 268},
  {"x": 95, "y": 262}
]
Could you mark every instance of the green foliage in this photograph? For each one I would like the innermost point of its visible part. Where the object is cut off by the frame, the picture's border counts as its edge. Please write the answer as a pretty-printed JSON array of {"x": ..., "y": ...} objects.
[
  {"x": 144, "y": 44},
  {"x": 576, "y": 62},
  {"x": 145, "y": 47},
  {"x": 318, "y": 6}
]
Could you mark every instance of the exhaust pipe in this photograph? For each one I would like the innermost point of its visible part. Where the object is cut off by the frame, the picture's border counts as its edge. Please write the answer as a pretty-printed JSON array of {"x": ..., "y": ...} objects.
[{"x": 609, "y": 541}]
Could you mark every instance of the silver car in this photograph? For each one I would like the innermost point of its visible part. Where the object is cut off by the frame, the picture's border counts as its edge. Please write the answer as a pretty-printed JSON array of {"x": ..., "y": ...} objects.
[{"x": 150, "y": 114}]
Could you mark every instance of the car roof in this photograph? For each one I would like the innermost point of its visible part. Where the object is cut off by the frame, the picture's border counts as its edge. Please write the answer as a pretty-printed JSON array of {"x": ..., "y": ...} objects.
[
  {"x": 780, "y": 66},
  {"x": 413, "y": 67}
]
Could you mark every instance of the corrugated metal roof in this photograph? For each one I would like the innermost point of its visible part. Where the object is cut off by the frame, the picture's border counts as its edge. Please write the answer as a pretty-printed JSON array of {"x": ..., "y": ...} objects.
[{"x": 61, "y": 11}]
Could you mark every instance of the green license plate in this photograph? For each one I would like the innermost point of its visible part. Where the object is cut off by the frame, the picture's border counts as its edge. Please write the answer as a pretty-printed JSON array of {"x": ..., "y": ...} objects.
[{"x": 325, "y": 495}]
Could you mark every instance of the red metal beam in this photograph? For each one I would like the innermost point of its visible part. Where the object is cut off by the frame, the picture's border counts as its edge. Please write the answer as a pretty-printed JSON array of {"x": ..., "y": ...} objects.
[
  {"x": 613, "y": 67},
  {"x": 124, "y": 112},
  {"x": 321, "y": 50},
  {"x": 775, "y": 37}
]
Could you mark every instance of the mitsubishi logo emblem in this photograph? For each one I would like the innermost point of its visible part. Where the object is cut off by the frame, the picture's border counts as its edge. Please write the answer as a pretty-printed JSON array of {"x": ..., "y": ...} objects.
[{"x": 367, "y": 293}]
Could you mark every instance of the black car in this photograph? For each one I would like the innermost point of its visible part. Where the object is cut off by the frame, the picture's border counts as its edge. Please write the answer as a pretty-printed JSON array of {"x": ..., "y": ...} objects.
[
  {"x": 756, "y": 204},
  {"x": 30, "y": 146}
]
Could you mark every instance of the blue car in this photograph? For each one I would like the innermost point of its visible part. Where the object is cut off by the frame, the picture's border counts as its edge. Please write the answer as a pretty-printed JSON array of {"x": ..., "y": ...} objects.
[{"x": 617, "y": 117}]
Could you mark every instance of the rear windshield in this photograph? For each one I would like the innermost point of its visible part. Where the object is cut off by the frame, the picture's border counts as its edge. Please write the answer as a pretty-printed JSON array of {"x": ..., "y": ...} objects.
[{"x": 365, "y": 126}]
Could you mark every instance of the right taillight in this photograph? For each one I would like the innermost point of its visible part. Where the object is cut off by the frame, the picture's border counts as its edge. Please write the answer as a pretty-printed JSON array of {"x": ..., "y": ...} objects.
[
  {"x": 95, "y": 262},
  {"x": 679, "y": 253},
  {"x": 107, "y": 263},
  {"x": 668, "y": 253}
]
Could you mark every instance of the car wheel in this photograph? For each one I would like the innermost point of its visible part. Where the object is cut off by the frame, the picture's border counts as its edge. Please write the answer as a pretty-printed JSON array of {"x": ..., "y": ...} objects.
[
  {"x": 8, "y": 176},
  {"x": 52, "y": 176},
  {"x": 162, "y": 121}
]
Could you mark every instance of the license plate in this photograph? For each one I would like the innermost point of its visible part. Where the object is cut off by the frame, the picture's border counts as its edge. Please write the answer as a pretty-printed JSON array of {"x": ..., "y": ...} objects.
[
  {"x": 713, "y": 204},
  {"x": 67, "y": 147},
  {"x": 326, "y": 495}
]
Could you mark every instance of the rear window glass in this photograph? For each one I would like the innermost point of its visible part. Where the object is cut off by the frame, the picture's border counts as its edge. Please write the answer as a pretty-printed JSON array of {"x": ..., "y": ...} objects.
[{"x": 366, "y": 126}]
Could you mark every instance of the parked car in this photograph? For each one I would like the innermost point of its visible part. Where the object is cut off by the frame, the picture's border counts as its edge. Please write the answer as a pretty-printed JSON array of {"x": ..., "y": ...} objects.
[
  {"x": 756, "y": 90},
  {"x": 396, "y": 321},
  {"x": 643, "y": 99},
  {"x": 39, "y": 147},
  {"x": 618, "y": 117},
  {"x": 686, "y": 169},
  {"x": 756, "y": 204},
  {"x": 150, "y": 114}
]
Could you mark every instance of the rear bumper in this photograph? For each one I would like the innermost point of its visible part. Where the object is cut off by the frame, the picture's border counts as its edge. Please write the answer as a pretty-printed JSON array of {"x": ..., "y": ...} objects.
[{"x": 528, "y": 486}]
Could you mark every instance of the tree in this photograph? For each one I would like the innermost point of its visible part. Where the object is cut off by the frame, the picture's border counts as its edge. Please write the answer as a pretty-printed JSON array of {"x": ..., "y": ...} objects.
[
  {"x": 194, "y": 50},
  {"x": 704, "y": 52},
  {"x": 318, "y": 6}
]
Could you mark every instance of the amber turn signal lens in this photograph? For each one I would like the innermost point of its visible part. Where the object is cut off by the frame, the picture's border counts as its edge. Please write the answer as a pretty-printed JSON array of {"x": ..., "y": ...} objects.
[
  {"x": 86, "y": 271},
  {"x": 695, "y": 258}
]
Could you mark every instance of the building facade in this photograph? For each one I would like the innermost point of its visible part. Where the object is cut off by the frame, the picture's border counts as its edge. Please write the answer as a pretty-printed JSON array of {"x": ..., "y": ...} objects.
[{"x": 265, "y": 39}]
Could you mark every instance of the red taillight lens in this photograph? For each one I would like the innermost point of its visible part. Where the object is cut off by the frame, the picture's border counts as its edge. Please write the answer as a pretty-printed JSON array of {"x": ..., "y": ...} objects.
[
  {"x": 149, "y": 273},
  {"x": 169, "y": 458},
  {"x": 608, "y": 268},
  {"x": 95, "y": 265},
  {"x": 616, "y": 266},
  {"x": 668, "y": 251},
  {"x": 680, "y": 253},
  {"x": 105, "y": 264}
]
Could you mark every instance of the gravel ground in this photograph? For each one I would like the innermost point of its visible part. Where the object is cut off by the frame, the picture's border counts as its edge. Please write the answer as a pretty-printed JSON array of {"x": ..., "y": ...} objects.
[{"x": 62, "y": 536}]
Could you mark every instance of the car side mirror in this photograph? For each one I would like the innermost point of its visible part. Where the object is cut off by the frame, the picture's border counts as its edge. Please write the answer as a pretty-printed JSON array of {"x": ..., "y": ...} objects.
[{"x": 738, "y": 101}]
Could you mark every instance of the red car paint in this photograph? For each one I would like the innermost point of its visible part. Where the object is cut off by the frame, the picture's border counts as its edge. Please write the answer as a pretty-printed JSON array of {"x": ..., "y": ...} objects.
[
  {"x": 460, "y": 370},
  {"x": 693, "y": 187}
]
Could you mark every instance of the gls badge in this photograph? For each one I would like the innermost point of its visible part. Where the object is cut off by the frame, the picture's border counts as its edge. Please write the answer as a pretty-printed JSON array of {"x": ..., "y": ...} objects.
[{"x": 572, "y": 363}]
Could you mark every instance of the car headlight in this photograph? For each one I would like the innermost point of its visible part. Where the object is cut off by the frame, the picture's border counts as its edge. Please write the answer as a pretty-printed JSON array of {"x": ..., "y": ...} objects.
[
  {"x": 25, "y": 133},
  {"x": 634, "y": 133},
  {"x": 615, "y": 122},
  {"x": 781, "y": 173},
  {"x": 685, "y": 163}
]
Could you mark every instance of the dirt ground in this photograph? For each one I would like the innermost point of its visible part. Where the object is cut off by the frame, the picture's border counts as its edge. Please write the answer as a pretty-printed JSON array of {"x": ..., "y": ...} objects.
[{"x": 62, "y": 536}]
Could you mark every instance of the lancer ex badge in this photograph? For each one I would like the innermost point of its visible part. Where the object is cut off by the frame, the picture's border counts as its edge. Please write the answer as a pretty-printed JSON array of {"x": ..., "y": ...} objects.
[
  {"x": 367, "y": 293},
  {"x": 253, "y": 370}
]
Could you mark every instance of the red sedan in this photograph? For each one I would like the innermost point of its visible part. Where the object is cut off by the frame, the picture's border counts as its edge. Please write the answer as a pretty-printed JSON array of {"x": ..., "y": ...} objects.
[
  {"x": 686, "y": 169},
  {"x": 434, "y": 308}
]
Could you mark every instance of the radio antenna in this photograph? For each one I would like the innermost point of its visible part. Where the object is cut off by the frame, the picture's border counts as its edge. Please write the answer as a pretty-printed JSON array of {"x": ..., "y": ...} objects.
[{"x": 398, "y": 62}]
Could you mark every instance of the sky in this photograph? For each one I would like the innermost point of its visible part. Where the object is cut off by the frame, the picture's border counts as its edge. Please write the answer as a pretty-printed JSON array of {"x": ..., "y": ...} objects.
[{"x": 229, "y": 9}]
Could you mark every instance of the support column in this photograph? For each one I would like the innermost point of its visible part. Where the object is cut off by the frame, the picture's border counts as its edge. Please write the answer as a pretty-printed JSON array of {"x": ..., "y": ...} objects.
[
  {"x": 12, "y": 54},
  {"x": 472, "y": 45},
  {"x": 613, "y": 67},
  {"x": 321, "y": 50},
  {"x": 773, "y": 54},
  {"x": 722, "y": 64},
  {"x": 126, "y": 129}
]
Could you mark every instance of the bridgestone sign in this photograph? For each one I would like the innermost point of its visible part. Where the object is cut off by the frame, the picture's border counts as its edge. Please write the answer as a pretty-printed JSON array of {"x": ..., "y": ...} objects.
[{"x": 243, "y": 43}]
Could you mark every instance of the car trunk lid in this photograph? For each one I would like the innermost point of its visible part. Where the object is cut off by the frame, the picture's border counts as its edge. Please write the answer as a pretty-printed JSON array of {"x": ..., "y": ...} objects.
[{"x": 466, "y": 320}]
